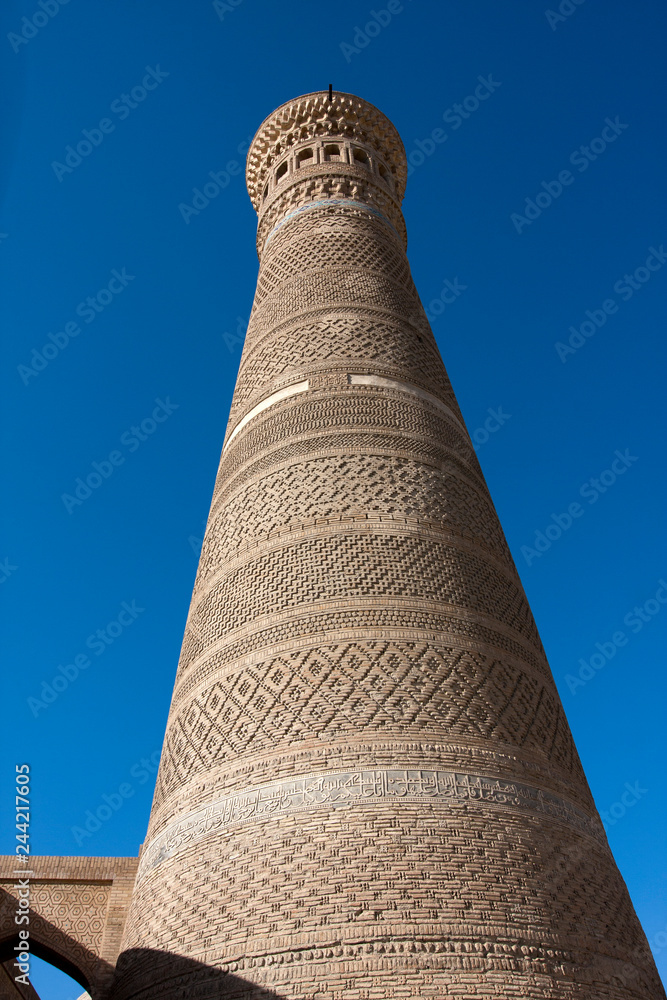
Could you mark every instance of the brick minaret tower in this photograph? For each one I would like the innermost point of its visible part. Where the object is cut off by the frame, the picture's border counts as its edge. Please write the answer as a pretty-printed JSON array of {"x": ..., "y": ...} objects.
[{"x": 368, "y": 786}]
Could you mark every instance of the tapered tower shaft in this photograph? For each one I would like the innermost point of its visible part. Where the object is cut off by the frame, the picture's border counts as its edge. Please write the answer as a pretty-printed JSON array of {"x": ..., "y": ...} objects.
[{"x": 368, "y": 786}]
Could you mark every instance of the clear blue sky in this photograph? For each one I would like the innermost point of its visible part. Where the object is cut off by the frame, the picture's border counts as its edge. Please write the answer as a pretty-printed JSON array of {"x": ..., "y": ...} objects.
[{"x": 160, "y": 335}]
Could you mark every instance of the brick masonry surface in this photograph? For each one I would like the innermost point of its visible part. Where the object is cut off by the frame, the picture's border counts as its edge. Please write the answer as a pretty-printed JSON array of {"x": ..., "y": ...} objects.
[
  {"x": 78, "y": 908},
  {"x": 368, "y": 786}
]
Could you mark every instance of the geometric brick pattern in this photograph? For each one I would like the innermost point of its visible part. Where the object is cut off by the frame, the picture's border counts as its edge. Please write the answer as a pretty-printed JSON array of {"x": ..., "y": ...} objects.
[
  {"x": 78, "y": 908},
  {"x": 368, "y": 786},
  {"x": 346, "y": 343},
  {"x": 391, "y": 686},
  {"x": 386, "y": 485}
]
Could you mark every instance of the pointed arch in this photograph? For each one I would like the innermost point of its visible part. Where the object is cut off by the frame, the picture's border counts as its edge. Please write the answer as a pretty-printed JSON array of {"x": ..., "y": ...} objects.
[{"x": 78, "y": 908}]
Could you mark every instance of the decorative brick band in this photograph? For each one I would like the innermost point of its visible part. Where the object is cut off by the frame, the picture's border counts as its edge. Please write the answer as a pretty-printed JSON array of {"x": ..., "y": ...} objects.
[
  {"x": 414, "y": 390},
  {"x": 337, "y": 789},
  {"x": 320, "y": 380},
  {"x": 330, "y": 203},
  {"x": 276, "y": 397}
]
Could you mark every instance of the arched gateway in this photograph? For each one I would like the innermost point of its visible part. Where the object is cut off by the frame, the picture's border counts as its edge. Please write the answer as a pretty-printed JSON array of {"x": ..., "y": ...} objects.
[{"x": 77, "y": 913}]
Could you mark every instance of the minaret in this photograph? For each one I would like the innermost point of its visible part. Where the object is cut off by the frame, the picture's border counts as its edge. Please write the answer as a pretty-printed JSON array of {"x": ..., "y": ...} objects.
[{"x": 368, "y": 787}]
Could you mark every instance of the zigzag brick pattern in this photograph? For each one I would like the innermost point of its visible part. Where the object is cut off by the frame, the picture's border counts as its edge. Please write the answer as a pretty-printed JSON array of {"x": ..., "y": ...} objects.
[{"x": 368, "y": 787}]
